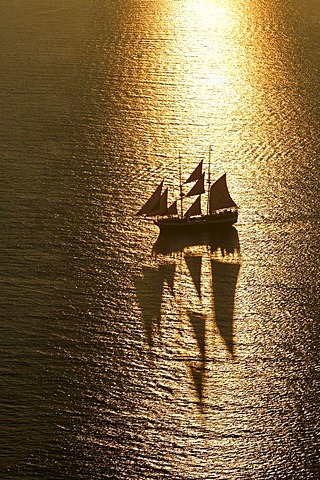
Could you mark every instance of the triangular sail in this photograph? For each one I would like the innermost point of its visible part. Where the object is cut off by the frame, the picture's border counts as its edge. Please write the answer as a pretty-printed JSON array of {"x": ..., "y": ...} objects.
[
  {"x": 219, "y": 195},
  {"x": 198, "y": 188},
  {"x": 196, "y": 174},
  {"x": 195, "y": 208},
  {"x": 153, "y": 203},
  {"x": 162, "y": 210},
  {"x": 172, "y": 209}
]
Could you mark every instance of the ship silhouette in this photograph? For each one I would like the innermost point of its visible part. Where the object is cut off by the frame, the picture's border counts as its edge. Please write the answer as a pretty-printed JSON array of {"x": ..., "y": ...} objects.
[{"x": 221, "y": 210}]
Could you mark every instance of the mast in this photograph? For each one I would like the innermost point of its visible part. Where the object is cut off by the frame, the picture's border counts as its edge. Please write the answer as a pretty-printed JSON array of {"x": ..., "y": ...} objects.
[
  {"x": 208, "y": 200},
  {"x": 181, "y": 192}
]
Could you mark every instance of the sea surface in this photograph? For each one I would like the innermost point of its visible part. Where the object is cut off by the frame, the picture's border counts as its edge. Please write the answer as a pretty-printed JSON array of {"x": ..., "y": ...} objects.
[{"x": 129, "y": 356}]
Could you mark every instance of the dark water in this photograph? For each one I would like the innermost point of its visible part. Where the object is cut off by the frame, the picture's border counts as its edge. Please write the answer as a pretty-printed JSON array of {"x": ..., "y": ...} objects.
[{"x": 128, "y": 357}]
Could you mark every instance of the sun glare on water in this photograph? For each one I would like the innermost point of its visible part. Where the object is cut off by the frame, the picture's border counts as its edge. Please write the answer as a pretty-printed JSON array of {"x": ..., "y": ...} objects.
[{"x": 207, "y": 61}]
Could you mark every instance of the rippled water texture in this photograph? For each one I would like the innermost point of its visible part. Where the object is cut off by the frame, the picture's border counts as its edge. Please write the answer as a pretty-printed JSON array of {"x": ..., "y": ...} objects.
[{"x": 125, "y": 355}]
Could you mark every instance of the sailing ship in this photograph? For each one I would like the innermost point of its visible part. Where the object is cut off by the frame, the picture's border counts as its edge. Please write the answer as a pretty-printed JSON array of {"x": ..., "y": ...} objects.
[{"x": 221, "y": 209}]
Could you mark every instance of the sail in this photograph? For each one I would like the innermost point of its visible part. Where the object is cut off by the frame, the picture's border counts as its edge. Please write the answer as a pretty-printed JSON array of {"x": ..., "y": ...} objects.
[
  {"x": 196, "y": 174},
  {"x": 162, "y": 208},
  {"x": 153, "y": 203},
  {"x": 195, "y": 208},
  {"x": 220, "y": 196},
  {"x": 172, "y": 210},
  {"x": 198, "y": 188}
]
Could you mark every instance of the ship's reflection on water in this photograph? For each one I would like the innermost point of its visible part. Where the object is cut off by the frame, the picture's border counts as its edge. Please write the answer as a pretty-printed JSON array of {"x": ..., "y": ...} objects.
[{"x": 190, "y": 290}]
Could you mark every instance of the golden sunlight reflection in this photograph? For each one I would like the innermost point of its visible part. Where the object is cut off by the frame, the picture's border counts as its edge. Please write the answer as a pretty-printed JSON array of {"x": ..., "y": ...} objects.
[{"x": 208, "y": 58}]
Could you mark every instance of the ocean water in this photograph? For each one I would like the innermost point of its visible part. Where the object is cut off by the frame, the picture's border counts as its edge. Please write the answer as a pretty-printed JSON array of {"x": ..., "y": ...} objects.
[{"x": 125, "y": 355}]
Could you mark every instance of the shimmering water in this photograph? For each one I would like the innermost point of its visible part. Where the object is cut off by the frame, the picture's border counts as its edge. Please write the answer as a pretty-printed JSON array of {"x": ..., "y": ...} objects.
[{"x": 125, "y": 356}]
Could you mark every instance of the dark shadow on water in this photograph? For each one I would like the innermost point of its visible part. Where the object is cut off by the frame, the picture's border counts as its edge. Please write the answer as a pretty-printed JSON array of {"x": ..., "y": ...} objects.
[
  {"x": 225, "y": 276},
  {"x": 225, "y": 239},
  {"x": 149, "y": 288},
  {"x": 222, "y": 248}
]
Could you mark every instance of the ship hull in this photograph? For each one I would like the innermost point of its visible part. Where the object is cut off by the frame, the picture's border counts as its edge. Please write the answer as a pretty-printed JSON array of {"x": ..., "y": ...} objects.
[{"x": 196, "y": 224}]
